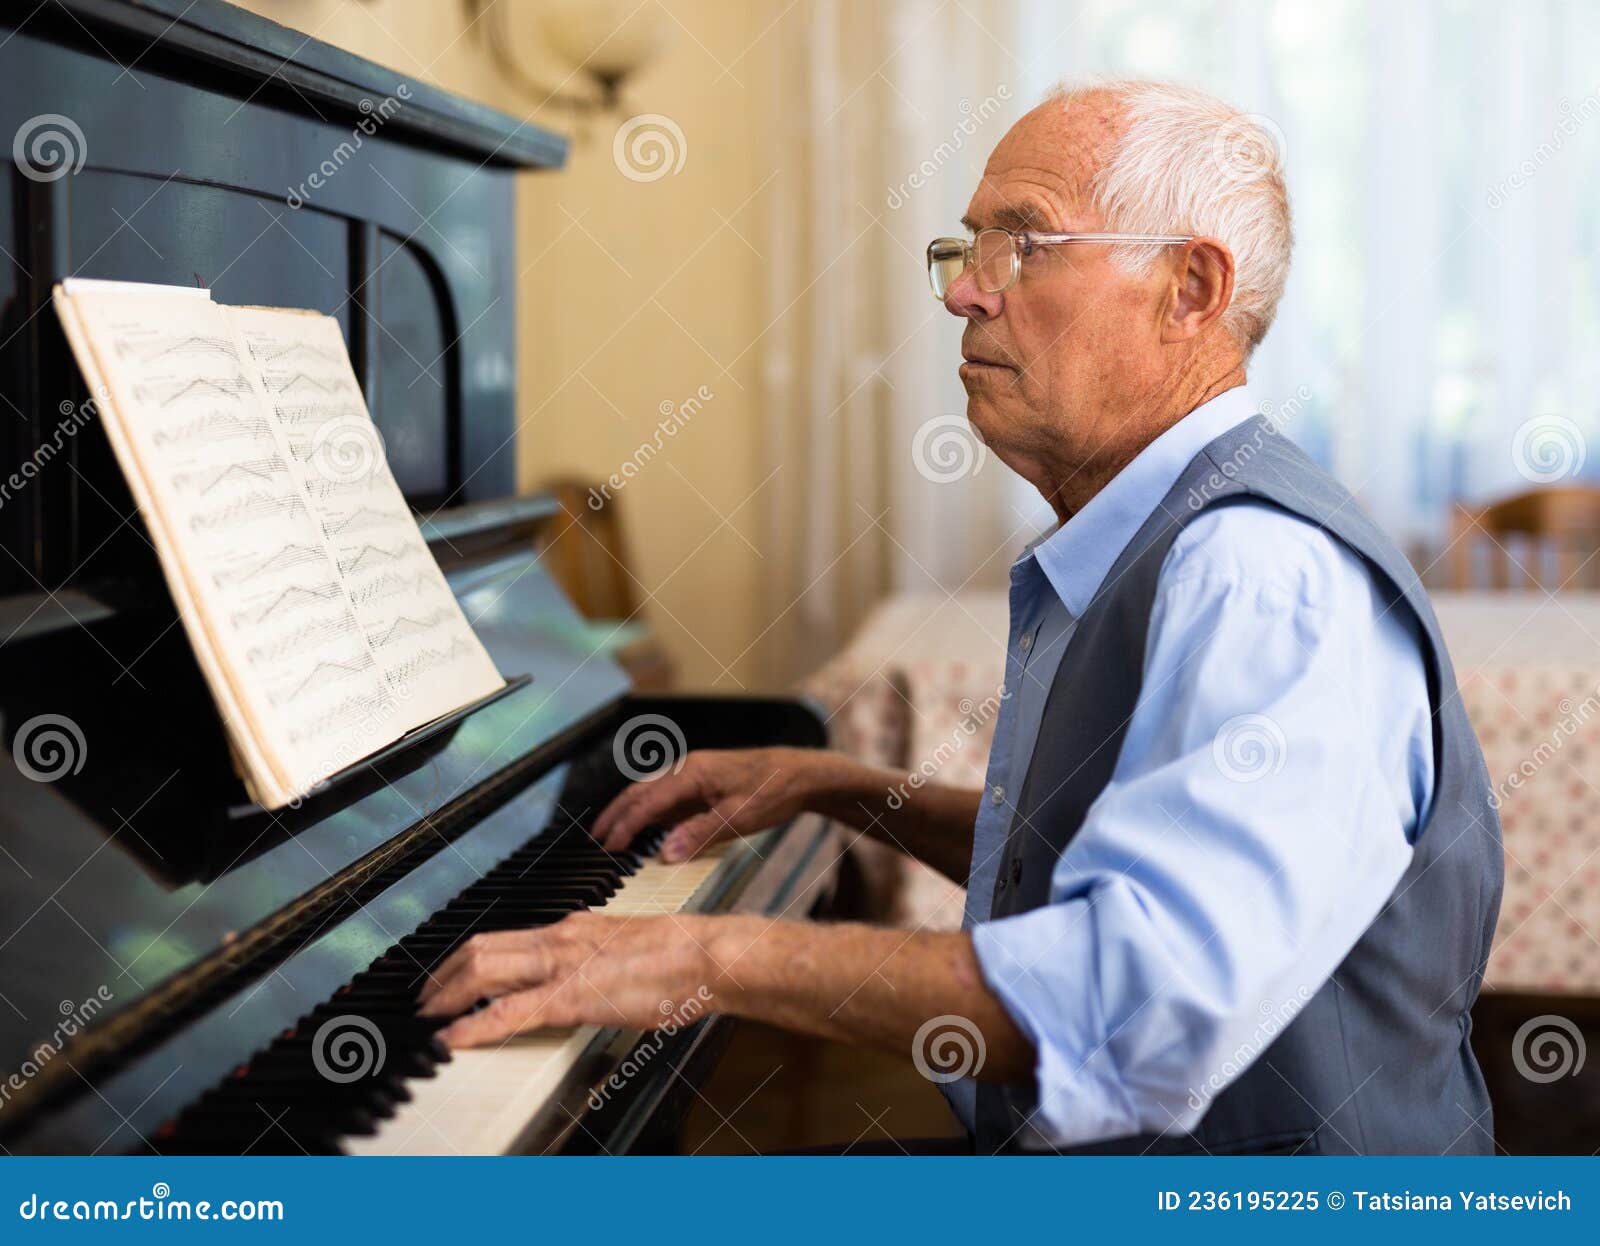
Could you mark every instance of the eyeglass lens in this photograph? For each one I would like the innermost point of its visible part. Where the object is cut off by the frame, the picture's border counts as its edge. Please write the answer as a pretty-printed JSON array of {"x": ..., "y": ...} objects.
[{"x": 993, "y": 257}]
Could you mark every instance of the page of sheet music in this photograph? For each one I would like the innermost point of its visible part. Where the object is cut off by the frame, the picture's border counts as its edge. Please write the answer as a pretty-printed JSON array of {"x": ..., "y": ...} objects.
[
  {"x": 244, "y": 540},
  {"x": 421, "y": 641},
  {"x": 294, "y": 558}
]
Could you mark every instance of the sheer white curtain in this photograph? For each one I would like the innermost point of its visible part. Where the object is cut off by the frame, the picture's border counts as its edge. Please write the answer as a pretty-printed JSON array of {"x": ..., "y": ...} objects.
[
  {"x": 1438, "y": 338},
  {"x": 887, "y": 113}
]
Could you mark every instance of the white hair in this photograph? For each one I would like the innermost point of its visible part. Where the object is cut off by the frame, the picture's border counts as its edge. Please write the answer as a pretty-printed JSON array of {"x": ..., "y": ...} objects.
[{"x": 1189, "y": 163}]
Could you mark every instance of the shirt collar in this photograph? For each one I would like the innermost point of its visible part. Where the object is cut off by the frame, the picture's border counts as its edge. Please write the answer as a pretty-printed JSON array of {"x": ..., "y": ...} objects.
[{"x": 1077, "y": 556}]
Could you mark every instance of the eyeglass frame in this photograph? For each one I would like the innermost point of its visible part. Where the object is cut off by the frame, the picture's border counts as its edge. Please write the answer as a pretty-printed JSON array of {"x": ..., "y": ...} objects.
[{"x": 1024, "y": 241}]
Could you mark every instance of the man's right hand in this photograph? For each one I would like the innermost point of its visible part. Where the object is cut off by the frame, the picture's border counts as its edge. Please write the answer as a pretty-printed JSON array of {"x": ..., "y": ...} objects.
[{"x": 716, "y": 794}]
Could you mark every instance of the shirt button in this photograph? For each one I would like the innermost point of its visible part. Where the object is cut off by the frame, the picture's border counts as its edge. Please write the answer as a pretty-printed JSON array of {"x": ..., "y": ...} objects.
[
  {"x": 997, "y": 794},
  {"x": 1026, "y": 642},
  {"x": 1016, "y": 869}
]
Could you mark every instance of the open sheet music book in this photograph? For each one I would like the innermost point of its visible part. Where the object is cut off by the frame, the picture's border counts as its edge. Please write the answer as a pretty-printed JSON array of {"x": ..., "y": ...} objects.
[{"x": 323, "y": 625}]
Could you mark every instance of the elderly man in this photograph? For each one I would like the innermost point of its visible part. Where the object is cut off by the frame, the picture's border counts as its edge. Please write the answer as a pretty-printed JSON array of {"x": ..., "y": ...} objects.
[{"x": 1234, "y": 873}]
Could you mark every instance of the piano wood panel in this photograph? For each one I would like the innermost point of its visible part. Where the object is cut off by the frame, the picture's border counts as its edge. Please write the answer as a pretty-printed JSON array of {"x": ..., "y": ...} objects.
[{"x": 301, "y": 196}]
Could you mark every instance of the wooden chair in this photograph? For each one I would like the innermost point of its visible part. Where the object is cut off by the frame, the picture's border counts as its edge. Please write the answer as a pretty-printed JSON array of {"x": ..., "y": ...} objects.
[
  {"x": 1544, "y": 538},
  {"x": 587, "y": 555}
]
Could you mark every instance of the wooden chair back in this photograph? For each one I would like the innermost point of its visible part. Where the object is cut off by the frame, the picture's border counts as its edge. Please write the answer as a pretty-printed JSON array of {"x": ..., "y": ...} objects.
[{"x": 1544, "y": 538}]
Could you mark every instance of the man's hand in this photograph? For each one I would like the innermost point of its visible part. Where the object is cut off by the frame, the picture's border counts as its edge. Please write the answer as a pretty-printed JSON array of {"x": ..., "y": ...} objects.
[
  {"x": 724, "y": 794},
  {"x": 587, "y": 969},
  {"x": 840, "y": 981},
  {"x": 715, "y": 795}
]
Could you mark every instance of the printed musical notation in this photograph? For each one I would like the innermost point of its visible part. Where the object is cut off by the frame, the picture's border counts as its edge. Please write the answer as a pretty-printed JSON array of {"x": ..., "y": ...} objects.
[
  {"x": 298, "y": 567},
  {"x": 338, "y": 451}
]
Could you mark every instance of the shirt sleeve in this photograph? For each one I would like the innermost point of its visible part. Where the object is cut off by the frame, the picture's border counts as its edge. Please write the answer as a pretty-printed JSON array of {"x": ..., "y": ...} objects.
[{"x": 1258, "y": 818}]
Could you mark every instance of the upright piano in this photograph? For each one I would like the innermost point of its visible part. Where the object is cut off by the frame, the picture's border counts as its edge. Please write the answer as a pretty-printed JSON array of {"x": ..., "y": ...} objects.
[{"x": 182, "y": 971}]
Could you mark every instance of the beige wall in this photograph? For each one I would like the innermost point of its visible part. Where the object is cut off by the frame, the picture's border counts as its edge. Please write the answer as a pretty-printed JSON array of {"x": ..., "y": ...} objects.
[{"x": 612, "y": 322}]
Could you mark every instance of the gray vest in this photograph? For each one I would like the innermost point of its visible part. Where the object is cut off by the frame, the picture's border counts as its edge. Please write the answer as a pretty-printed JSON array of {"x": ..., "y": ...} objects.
[{"x": 1378, "y": 1061}]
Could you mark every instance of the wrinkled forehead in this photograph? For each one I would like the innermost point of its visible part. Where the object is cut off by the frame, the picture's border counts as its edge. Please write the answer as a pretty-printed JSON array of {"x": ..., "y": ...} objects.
[{"x": 1040, "y": 173}]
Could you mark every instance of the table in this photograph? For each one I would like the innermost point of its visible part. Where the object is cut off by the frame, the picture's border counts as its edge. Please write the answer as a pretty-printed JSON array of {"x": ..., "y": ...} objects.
[{"x": 917, "y": 687}]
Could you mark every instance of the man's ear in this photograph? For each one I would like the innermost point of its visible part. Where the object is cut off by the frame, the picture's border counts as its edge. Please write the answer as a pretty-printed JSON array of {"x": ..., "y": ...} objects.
[{"x": 1202, "y": 289}]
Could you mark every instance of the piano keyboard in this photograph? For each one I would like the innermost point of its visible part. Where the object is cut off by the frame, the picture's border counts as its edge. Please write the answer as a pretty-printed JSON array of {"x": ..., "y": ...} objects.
[
  {"x": 481, "y": 1102},
  {"x": 313, "y": 1090}
]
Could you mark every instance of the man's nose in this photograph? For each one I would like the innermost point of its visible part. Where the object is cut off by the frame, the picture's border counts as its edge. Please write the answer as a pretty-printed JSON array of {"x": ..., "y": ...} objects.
[{"x": 966, "y": 300}]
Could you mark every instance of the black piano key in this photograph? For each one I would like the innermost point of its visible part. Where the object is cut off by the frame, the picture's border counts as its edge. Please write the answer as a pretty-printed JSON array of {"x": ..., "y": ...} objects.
[
  {"x": 291, "y": 1112},
  {"x": 499, "y": 916},
  {"x": 388, "y": 1084},
  {"x": 550, "y": 893},
  {"x": 372, "y": 1000},
  {"x": 535, "y": 908}
]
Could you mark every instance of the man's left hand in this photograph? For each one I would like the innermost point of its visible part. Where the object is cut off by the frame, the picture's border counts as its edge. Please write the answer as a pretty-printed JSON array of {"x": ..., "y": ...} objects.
[{"x": 588, "y": 968}]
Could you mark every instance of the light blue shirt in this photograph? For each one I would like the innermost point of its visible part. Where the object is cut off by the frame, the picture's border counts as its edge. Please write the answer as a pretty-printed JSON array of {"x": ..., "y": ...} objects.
[{"x": 1258, "y": 819}]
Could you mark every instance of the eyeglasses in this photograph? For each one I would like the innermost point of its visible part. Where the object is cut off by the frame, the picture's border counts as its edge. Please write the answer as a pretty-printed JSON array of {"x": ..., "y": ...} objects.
[{"x": 997, "y": 254}]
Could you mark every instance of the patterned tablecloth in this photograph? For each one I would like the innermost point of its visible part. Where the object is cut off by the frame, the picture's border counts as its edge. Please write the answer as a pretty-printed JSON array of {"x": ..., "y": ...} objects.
[{"x": 918, "y": 688}]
